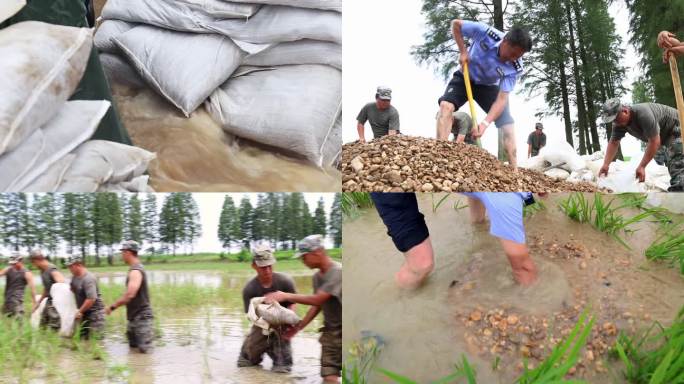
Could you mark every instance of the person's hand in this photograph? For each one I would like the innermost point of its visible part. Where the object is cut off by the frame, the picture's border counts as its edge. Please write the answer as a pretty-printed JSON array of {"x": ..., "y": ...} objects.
[
  {"x": 543, "y": 195},
  {"x": 362, "y": 140},
  {"x": 664, "y": 39},
  {"x": 666, "y": 55},
  {"x": 274, "y": 297},
  {"x": 108, "y": 310},
  {"x": 480, "y": 131},
  {"x": 79, "y": 315},
  {"x": 463, "y": 58},
  {"x": 604, "y": 170},
  {"x": 290, "y": 332},
  {"x": 641, "y": 173}
]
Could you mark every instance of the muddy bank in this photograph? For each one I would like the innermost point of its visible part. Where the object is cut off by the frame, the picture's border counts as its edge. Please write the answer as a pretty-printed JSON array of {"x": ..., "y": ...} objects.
[
  {"x": 470, "y": 305},
  {"x": 414, "y": 164}
]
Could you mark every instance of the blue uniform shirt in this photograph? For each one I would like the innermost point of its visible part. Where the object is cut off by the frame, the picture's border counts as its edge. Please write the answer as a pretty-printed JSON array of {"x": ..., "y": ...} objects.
[
  {"x": 505, "y": 211},
  {"x": 485, "y": 68}
]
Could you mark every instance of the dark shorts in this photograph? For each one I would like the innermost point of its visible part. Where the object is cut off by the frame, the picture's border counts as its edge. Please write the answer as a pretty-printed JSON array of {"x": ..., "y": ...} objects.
[
  {"x": 404, "y": 222},
  {"x": 484, "y": 96}
]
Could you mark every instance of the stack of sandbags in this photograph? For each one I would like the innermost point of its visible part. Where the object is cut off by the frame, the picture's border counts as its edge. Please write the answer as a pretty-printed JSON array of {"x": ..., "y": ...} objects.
[
  {"x": 268, "y": 70},
  {"x": 41, "y": 134},
  {"x": 571, "y": 167}
]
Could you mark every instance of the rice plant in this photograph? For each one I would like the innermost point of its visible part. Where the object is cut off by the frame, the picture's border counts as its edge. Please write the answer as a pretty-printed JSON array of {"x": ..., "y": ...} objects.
[
  {"x": 353, "y": 201},
  {"x": 654, "y": 358},
  {"x": 669, "y": 246},
  {"x": 435, "y": 206},
  {"x": 362, "y": 357},
  {"x": 530, "y": 210}
]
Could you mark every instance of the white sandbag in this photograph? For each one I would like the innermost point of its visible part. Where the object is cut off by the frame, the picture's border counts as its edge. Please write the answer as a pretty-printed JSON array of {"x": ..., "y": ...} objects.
[
  {"x": 9, "y": 8},
  {"x": 561, "y": 152},
  {"x": 557, "y": 173},
  {"x": 273, "y": 24},
  {"x": 657, "y": 177},
  {"x": 330, "y": 5},
  {"x": 120, "y": 71},
  {"x": 581, "y": 175},
  {"x": 621, "y": 178},
  {"x": 294, "y": 107},
  {"x": 36, "y": 315},
  {"x": 41, "y": 65},
  {"x": 51, "y": 179},
  {"x": 298, "y": 52},
  {"x": 15, "y": 163},
  {"x": 75, "y": 123},
  {"x": 99, "y": 162},
  {"x": 108, "y": 30},
  {"x": 332, "y": 148},
  {"x": 269, "y": 316},
  {"x": 137, "y": 184},
  {"x": 65, "y": 303},
  {"x": 536, "y": 163},
  {"x": 183, "y": 67},
  {"x": 178, "y": 15}
]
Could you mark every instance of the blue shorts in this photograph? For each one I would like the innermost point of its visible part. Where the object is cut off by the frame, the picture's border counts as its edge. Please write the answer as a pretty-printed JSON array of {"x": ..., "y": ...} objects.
[
  {"x": 405, "y": 224},
  {"x": 484, "y": 96},
  {"x": 505, "y": 211}
]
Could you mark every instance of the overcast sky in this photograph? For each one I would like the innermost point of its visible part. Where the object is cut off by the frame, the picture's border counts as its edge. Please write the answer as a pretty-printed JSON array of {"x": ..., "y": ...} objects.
[{"x": 378, "y": 36}]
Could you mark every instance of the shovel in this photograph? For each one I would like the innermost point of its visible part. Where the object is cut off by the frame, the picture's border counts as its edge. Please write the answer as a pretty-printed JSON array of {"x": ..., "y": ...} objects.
[
  {"x": 471, "y": 103},
  {"x": 676, "y": 83}
]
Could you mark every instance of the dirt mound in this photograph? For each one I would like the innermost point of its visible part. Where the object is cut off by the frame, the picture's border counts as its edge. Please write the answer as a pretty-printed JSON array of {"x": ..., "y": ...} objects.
[{"x": 414, "y": 164}]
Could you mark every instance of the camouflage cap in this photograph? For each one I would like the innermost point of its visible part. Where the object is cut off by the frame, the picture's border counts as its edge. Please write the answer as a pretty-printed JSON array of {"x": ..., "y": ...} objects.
[
  {"x": 262, "y": 255},
  {"x": 539, "y": 125},
  {"x": 610, "y": 110},
  {"x": 384, "y": 93},
  {"x": 71, "y": 260},
  {"x": 36, "y": 253},
  {"x": 15, "y": 257},
  {"x": 130, "y": 245},
  {"x": 309, "y": 244}
]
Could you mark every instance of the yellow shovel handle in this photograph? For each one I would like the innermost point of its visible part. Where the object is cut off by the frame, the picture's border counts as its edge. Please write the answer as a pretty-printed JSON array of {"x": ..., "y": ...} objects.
[{"x": 471, "y": 103}]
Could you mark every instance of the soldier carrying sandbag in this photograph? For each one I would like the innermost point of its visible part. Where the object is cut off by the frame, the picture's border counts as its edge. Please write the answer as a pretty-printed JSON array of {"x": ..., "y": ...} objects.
[
  {"x": 273, "y": 344},
  {"x": 50, "y": 275},
  {"x": 88, "y": 299}
]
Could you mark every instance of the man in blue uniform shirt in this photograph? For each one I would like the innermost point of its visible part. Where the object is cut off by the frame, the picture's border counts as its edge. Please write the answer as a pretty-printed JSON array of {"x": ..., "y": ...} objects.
[{"x": 494, "y": 65}]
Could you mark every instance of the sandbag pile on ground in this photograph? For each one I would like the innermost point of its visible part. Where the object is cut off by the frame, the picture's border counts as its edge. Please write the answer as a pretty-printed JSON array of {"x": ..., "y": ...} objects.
[
  {"x": 269, "y": 70},
  {"x": 41, "y": 133},
  {"x": 401, "y": 163},
  {"x": 559, "y": 160}
]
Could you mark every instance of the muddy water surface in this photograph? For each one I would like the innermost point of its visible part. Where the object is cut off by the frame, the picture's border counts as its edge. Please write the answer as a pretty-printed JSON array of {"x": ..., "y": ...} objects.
[{"x": 427, "y": 331}]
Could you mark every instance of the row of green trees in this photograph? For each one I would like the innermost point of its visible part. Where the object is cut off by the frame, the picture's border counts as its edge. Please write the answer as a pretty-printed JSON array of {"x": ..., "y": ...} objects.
[
  {"x": 97, "y": 221},
  {"x": 576, "y": 61},
  {"x": 280, "y": 218}
]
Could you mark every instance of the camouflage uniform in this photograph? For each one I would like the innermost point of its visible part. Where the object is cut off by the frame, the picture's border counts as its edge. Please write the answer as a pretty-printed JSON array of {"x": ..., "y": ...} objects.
[
  {"x": 140, "y": 333},
  {"x": 140, "y": 330},
  {"x": 50, "y": 317},
  {"x": 13, "y": 305},
  {"x": 256, "y": 344},
  {"x": 93, "y": 324},
  {"x": 93, "y": 321},
  {"x": 675, "y": 161},
  {"x": 331, "y": 352}
]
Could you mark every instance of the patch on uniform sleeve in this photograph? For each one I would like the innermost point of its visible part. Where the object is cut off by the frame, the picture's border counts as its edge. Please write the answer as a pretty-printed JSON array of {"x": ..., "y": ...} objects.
[
  {"x": 517, "y": 65},
  {"x": 493, "y": 35},
  {"x": 484, "y": 45}
]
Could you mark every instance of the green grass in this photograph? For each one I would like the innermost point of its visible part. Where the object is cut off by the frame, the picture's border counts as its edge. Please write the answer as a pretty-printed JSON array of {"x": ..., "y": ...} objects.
[
  {"x": 604, "y": 215},
  {"x": 352, "y": 202},
  {"x": 669, "y": 246},
  {"x": 362, "y": 356},
  {"x": 530, "y": 210},
  {"x": 654, "y": 357}
]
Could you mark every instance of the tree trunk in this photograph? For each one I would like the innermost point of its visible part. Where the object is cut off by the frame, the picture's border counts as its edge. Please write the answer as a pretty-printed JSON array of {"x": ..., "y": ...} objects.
[{"x": 581, "y": 121}]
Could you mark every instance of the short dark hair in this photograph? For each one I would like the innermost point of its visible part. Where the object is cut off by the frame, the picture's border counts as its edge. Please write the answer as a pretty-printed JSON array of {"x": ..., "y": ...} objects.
[{"x": 519, "y": 36}]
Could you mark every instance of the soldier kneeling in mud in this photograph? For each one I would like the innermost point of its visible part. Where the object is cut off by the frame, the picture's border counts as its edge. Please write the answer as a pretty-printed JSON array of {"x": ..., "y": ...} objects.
[
  {"x": 18, "y": 277},
  {"x": 256, "y": 343},
  {"x": 50, "y": 275},
  {"x": 406, "y": 225},
  {"x": 88, "y": 299}
]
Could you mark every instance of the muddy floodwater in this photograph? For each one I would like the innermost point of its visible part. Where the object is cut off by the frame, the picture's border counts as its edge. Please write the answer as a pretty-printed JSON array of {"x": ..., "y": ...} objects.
[
  {"x": 198, "y": 344},
  {"x": 428, "y": 330}
]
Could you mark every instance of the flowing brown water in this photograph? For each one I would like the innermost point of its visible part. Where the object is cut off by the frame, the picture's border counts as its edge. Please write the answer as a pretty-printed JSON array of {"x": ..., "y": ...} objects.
[
  {"x": 423, "y": 330},
  {"x": 195, "y": 154}
]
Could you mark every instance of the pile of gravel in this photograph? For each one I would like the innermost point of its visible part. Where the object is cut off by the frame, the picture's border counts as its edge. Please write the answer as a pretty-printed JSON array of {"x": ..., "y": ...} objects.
[{"x": 401, "y": 163}]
